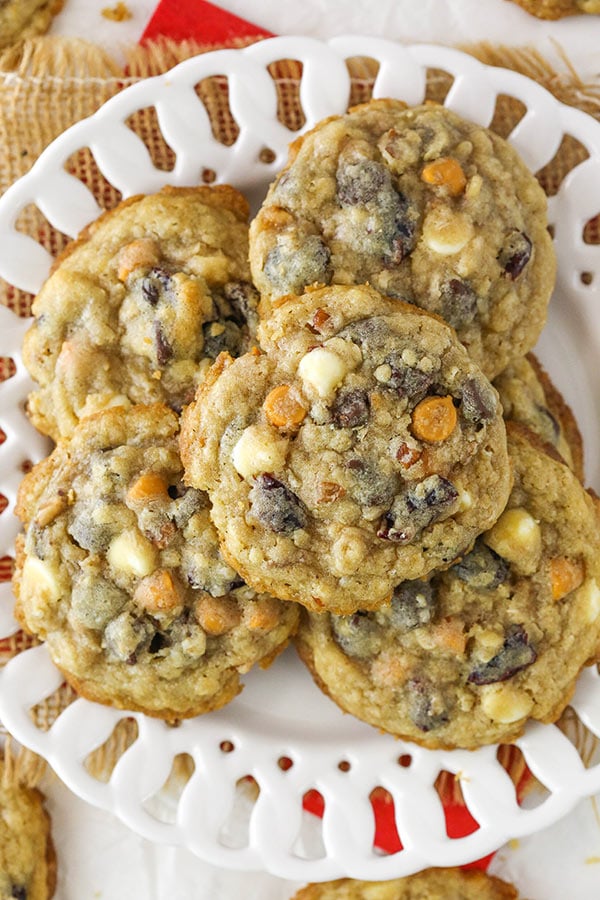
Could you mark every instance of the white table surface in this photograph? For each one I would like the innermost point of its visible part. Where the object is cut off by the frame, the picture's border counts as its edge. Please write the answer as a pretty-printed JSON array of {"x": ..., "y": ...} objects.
[{"x": 100, "y": 859}]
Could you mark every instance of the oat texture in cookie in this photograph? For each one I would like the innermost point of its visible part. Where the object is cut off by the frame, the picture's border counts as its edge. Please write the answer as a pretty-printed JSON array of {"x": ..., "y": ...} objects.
[
  {"x": 140, "y": 305},
  {"x": 528, "y": 396},
  {"x": 466, "y": 658},
  {"x": 425, "y": 207},
  {"x": 120, "y": 573},
  {"x": 27, "y": 856},
  {"x": 430, "y": 884},
  {"x": 21, "y": 19},
  {"x": 558, "y": 9},
  {"x": 361, "y": 448}
]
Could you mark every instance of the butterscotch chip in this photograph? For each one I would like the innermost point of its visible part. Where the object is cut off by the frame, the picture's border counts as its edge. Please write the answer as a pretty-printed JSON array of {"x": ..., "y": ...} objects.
[
  {"x": 139, "y": 306},
  {"x": 424, "y": 206},
  {"x": 368, "y": 485},
  {"x": 126, "y": 583},
  {"x": 467, "y": 657}
]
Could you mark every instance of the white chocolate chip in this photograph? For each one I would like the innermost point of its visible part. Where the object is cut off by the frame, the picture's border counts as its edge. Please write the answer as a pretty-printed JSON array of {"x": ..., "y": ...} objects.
[
  {"x": 465, "y": 500},
  {"x": 348, "y": 551},
  {"x": 589, "y": 592},
  {"x": 504, "y": 703},
  {"x": 323, "y": 370},
  {"x": 97, "y": 402},
  {"x": 259, "y": 449},
  {"x": 517, "y": 538},
  {"x": 130, "y": 552},
  {"x": 383, "y": 373},
  {"x": 40, "y": 579},
  {"x": 446, "y": 232}
]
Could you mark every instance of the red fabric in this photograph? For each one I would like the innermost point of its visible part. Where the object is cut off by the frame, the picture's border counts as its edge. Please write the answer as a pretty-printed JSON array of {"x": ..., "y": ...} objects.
[{"x": 200, "y": 21}]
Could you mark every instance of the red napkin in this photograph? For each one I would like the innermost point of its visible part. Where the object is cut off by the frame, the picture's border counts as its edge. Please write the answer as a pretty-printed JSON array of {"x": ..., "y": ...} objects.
[
  {"x": 196, "y": 20},
  {"x": 210, "y": 25}
]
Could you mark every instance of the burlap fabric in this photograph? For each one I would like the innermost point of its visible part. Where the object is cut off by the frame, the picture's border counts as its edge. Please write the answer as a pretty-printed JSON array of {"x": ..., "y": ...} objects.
[{"x": 47, "y": 84}]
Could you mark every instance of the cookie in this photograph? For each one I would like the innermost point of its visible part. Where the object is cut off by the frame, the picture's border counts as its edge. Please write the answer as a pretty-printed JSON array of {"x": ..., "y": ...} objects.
[
  {"x": 466, "y": 658},
  {"x": 140, "y": 305},
  {"x": 363, "y": 447},
  {"x": 528, "y": 396},
  {"x": 425, "y": 207},
  {"x": 430, "y": 884},
  {"x": 27, "y": 856},
  {"x": 26, "y": 18},
  {"x": 119, "y": 572},
  {"x": 558, "y": 9}
]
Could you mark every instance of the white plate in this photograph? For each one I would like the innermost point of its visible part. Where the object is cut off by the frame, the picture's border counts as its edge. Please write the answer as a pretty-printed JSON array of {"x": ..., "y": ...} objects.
[{"x": 281, "y": 713}]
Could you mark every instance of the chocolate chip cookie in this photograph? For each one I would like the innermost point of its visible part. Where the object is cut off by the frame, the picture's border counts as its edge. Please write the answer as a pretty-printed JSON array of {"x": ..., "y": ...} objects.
[
  {"x": 529, "y": 396},
  {"x": 140, "y": 305},
  {"x": 425, "y": 207},
  {"x": 120, "y": 573},
  {"x": 431, "y": 884},
  {"x": 466, "y": 658},
  {"x": 363, "y": 447},
  {"x": 27, "y": 856}
]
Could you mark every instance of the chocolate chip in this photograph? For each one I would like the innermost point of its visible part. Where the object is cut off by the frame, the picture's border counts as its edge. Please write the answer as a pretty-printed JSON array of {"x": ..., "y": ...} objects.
[
  {"x": 350, "y": 408},
  {"x": 290, "y": 268},
  {"x": 407, "y": 381},
  {"x": 459, "y": 302},
  {"x": 127, "y": 635},
  {"x": 18, "y": 892},
  {"x": 371, "y": 486},
  {"x": 86, "y": 532},
  {"x": 404, "y": 232},
  {"x": 275, "y": 506},
  {"x": 515, "y": 254},
  {"x": 220, "y": 336},
  {"x": 153, "y": 284},
  {"x": 479, "y": 403},
  {"x": 243, "y": 298},
  {"x": 428, "y": 707},
  {"x": 419, "y": 506},
  {"x": 413, "y": 605},
  {"x": 357, "y": 635},
  {"x": 164, "y": 350},
  {"x": 360, "y": 182},
  {"x": 516, "y": 654},
  {"x": 482, "y": 568}
]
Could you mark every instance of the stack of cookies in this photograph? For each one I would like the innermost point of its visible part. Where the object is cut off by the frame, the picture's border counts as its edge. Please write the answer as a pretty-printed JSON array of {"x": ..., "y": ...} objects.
[{"x": 325, "y": 426}]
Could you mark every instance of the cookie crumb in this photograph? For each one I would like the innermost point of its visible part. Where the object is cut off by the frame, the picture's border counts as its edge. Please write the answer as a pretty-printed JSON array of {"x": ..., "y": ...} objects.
[{"x": 120, "y": 12}]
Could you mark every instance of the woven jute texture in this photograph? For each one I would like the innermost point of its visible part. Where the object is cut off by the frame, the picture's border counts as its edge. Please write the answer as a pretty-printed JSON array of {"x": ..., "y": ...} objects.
[{"x": 49, "y": 83}]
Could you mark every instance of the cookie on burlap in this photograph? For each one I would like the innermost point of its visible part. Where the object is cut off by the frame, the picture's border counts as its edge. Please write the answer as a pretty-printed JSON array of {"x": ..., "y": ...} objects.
[
  {"x": 140, "y": 305},
  {"x": 424, "y": 206},
  {"x": 120, "y": 573},
  {"x": 529, "y": 396},
  {"x": 467, "y": 658},
  {"x": 558, "y": 9},
  {"x": 27, "y": 856},
  {"x": 431, "y": 884},
  {"x": 361, "y": 448},
  {"x": 26, "y": 18}
]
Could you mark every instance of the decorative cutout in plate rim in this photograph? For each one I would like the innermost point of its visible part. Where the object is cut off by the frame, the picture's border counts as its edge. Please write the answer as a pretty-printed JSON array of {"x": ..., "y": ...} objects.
[{"x": 281, "y": 714}]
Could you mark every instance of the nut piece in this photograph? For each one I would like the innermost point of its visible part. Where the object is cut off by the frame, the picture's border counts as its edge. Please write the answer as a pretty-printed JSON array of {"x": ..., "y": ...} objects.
[
  {"x": 259, "y": 449},
  {"x": 504, "y": 703},
  {"x": 517, "y": 538},
  {"x": 130, "y": 552}
]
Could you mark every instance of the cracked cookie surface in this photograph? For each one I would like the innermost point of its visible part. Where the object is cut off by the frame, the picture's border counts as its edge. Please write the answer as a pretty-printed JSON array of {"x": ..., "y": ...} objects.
[
  {"x": 139, "y": 306},
  {"x": 362, "y": 447},
  {"x": 466, "y": 658},
  {"x": 120, "y": 573},
  {"x": 425, "y": 207}
]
